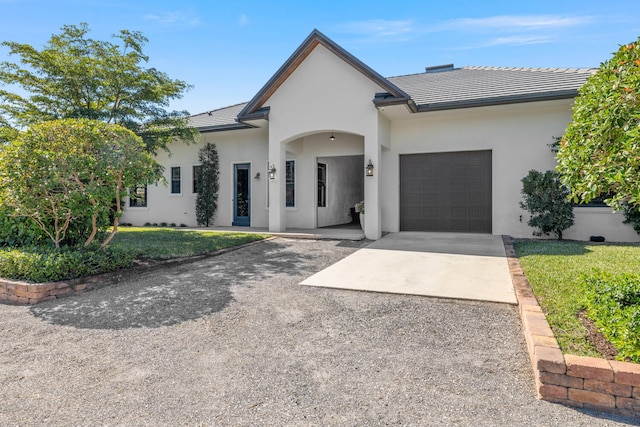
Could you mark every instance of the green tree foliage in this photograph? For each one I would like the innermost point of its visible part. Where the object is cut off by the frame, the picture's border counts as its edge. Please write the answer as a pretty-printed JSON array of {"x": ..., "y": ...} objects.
[
  {"x": 207, "y": 185},
  {"x": 74, "y": 76},
  {"x": 600, "y": 151},
  {"x": 546, "y": 199},
  {"x": 70, "y": 170}
]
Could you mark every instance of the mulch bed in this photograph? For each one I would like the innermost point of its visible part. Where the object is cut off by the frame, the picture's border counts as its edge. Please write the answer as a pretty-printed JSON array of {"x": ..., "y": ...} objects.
[{"x": 601, "y": 344}]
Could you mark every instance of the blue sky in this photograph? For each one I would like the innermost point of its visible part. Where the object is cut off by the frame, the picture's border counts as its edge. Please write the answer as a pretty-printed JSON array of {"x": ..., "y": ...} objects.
[{"x": 228, "y": 49}]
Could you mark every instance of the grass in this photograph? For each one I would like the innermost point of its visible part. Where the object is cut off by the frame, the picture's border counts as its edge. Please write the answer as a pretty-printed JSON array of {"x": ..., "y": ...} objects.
[
  {"x": 556, "y": 271},
  {"x": 164, "y": 243}
]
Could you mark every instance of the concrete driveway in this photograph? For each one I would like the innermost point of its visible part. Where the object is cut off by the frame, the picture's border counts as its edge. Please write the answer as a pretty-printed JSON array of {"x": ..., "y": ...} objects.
[{"x": 447, "y": 265}]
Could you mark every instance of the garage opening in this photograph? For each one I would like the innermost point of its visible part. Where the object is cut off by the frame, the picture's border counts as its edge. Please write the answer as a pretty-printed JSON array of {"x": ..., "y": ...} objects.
[{"x": 449, "y": 192}]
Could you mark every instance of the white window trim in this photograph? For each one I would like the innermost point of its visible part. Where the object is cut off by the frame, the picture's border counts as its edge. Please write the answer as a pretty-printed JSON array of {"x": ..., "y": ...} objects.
[{"x": 171, "y": 181}]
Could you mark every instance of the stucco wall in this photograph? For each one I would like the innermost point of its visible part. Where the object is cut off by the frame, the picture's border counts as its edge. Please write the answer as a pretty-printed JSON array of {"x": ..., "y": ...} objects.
[
  {"x": 519, "y": 136},
  {"x": 345, "y": 187},
  {"x": 239, "y": 146}
]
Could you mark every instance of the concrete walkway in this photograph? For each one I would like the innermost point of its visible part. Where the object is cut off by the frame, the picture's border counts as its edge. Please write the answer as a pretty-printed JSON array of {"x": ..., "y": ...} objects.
[{"x": 447, "y": 265}]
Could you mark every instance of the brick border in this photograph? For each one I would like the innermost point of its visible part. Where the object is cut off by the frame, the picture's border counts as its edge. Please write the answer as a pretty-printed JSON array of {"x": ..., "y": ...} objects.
[
  {"x": 584, "y": 382},
  {"x": 19, "y": 292}
]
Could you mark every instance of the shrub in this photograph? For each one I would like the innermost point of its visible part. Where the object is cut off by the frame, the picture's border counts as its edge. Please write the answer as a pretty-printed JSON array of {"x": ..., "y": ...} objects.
[
  {"x": 613, "y": 303},
  {"x": 632, "y": 216},
  {"x": 546, "y": 199},
  {"x": 19, "y": 231},
  {"x": 46, "y": 264}
]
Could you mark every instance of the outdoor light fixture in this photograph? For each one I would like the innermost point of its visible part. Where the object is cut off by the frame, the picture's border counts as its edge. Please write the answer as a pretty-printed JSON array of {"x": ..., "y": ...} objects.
[
  {"x": 257, "y": 176},
  {"x": 332, "y": 138},
  {"x": 272, "y": 171},
  {"x": 370, "y": 168}
]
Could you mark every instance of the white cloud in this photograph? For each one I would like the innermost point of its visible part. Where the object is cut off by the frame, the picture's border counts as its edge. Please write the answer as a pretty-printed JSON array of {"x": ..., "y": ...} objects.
[
  {"x": 173, "y": 18},
  {"x": 513, "y": 23},
  {"x": 379, "y": 28},
  {"x": 517, "y": 41},
  {"x": 243, "y": 20}
]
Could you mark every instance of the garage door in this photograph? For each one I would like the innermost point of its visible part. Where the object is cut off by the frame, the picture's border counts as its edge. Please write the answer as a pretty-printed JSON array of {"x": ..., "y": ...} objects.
[{"x": 446, "y": 192}]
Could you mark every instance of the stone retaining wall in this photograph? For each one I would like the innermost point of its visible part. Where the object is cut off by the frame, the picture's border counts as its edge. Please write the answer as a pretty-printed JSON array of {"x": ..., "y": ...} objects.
[{"x": 585, "y": 382}]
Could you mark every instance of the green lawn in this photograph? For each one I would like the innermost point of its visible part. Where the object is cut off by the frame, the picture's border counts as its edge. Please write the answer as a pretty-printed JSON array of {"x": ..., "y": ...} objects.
[
  {"x": 42, "y": 264},
  {"x": 163, "y": 243},
  {"x": 556, "y": 271}
]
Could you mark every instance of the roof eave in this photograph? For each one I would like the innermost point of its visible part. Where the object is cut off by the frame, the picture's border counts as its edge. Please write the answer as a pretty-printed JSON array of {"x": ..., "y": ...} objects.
[
  {"x": 486, "y": 102},
  {"x": 222, "y": 128}
]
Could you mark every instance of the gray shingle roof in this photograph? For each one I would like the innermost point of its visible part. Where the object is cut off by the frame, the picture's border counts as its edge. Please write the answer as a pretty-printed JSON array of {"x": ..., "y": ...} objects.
[
  {"x": 469, "y": 86},
  {"x": 451, "y": 88},
  {"x": 220, "y": 119}
]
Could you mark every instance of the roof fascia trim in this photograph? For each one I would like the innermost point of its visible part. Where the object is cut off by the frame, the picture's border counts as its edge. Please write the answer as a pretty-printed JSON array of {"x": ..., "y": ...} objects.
[
  {"x": 298, "y": 56},
  {"x": 515, "y": 99},
  {"x": 222, "y": 128}
]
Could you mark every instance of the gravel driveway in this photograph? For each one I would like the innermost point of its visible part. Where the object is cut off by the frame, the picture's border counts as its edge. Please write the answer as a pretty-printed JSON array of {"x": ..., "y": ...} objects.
[{"x": 234, "y": 340}]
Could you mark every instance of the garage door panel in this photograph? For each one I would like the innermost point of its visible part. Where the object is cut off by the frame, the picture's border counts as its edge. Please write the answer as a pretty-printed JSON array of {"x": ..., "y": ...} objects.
[{"x": 446, "y": 192}]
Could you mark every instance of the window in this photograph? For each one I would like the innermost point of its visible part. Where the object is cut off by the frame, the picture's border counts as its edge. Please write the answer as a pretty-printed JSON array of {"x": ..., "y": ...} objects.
[
  {"x": 175, "y": 180},
  {"x": 138, "y": 196},
  {"x": 322, "y": 185},
  {"x": 597, "y": 202},
  {"x": 197, "y": 170},
  {"x": 290, "y": 183}
]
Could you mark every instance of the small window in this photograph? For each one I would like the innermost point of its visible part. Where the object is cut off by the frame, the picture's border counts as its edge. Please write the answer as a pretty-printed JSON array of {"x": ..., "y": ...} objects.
[
  {"x": 138, "y": 196},
  {"x": 197, "y": 170},
  {"x": 596, "y": 202},
  {"x": 175, "y": 180},
  {"x": 322, "y": 185},
  {"x": 290, "y": 183}
]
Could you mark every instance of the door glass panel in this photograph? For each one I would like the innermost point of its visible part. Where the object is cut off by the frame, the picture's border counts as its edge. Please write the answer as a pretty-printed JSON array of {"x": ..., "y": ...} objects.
[{"x": 242, "y": 192}]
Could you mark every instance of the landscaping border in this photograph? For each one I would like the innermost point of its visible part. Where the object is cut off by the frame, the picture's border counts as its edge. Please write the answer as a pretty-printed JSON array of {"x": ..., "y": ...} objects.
[
  {"x": 26, "y": 293},
  {"x": 584, "y": 382}
]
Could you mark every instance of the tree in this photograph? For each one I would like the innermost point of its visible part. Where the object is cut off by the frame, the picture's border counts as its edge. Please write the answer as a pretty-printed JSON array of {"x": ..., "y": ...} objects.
[
  {"x": 65, "y": 170},
  {"x": 600, "y": 151},
  {"x": 547, "y": 200},
  {"x": 74, "y": 76},
  {"x": 207, "y": 185}
]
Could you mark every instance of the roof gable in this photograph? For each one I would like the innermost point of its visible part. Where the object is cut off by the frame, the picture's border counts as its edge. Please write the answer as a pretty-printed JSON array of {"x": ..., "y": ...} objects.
[{"x": 314, "y": 39}]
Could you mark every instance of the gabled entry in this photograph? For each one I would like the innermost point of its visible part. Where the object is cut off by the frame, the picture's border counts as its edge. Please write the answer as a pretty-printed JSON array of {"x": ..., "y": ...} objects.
[{"x": 242, "y": 194}]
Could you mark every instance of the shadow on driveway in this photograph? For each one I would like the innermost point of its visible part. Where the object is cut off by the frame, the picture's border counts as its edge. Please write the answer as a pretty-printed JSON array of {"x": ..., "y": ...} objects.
[{"x": 172, "y": 295}]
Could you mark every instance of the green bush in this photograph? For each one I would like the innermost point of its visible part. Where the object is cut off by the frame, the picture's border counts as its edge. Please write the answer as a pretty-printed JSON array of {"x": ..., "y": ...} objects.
[
  {"x": 19, "y": 231},
  {"x": 632, "y": 216},
  {"x": 545, "y": 197},
  {"x": 23, "y": 231},
  {"x": 46, "y": 264},
  {"x": 613, "y": 303}
]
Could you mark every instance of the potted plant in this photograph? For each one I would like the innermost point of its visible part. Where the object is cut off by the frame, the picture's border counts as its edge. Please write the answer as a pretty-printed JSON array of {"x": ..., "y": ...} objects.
[{"x": 359, "y": 207}]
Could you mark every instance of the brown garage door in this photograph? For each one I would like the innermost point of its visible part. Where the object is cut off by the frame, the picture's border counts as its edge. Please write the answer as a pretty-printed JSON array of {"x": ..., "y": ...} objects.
[{"x": 446, "y": 192}]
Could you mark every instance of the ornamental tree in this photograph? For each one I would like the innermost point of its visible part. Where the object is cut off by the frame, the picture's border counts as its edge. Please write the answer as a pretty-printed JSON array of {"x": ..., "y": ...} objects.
[
  {"x": 207, "y": 185},
  {"x": 600, "y": 151},
  {"x": 546, "y": 199},
  {"x": 70, "y": 170},
  {"x": 75, "y": 76}
]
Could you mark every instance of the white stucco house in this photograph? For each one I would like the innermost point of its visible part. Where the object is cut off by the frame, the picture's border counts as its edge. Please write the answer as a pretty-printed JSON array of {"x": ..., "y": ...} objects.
[{"x": 441, "y": 150}]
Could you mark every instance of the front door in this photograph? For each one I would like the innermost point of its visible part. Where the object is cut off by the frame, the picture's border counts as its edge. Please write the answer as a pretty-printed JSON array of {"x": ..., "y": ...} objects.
[{"x": 241, "y": 194}]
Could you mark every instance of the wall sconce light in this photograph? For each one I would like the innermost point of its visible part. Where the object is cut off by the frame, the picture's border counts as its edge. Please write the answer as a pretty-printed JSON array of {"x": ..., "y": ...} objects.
[
  {"x": 272, "y": 171},
  {"x": 257, "y": 176},
  {"x": 370, "y": 168},
  {"x": 332, "y": 138}
]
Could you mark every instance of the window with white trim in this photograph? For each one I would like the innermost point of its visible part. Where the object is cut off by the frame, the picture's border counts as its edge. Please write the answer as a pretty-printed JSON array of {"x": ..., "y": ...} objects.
[
  {"x": 175, "y": 180},
  {"x": 290, "y": 183}
]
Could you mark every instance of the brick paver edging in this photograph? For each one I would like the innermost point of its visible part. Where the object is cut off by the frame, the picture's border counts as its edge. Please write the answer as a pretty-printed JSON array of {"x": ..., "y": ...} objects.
[
  {"x": 19, "y": 292},
  {"x": 585, "y": 382}
]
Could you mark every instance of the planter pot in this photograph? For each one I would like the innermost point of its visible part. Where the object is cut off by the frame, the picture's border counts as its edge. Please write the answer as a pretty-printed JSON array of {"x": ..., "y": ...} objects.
[{"x": 362, "y": 221}]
